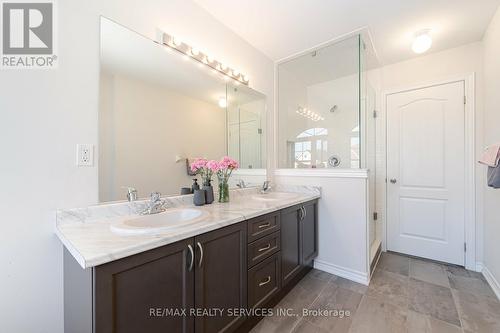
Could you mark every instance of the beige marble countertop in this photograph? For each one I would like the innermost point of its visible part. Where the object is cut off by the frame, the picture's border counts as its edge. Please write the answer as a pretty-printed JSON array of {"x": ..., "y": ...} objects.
[{"x": 86, "y": 233}]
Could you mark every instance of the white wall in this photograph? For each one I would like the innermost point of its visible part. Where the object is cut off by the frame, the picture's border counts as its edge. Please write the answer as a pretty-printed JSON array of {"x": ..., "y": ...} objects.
[
  {"x": 149, "y": 125},
  {"x": 342, "y": 222},
  {"x": 422, "y": 70},
  {"x": 492, "y": 135},
  {"x": 45, "y": 113}
]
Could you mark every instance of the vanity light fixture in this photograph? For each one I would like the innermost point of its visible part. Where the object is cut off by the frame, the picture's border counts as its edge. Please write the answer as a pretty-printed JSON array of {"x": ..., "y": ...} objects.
[
  {"x": 195, "y": 54},
  {"x": 309, "y": 114},
  {"x": 422, "y": 42}
]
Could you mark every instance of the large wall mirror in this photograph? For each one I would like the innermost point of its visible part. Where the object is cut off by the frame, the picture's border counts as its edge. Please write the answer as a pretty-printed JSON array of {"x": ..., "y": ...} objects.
[{"x": 157, "y": 109}]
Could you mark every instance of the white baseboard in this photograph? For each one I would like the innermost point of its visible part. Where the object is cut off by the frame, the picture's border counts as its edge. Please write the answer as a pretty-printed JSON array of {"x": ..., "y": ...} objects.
[
  {"x": 491, "y": 281},
  {"x": 344, "y": 272}
]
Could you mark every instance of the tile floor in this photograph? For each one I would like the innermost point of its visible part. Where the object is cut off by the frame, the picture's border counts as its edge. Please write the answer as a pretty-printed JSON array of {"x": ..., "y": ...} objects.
[{"x": 405, "y": 295}]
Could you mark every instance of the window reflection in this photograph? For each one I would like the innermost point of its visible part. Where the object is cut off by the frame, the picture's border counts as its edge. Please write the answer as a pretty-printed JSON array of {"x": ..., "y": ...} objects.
[{"x": 310, "y": 149}]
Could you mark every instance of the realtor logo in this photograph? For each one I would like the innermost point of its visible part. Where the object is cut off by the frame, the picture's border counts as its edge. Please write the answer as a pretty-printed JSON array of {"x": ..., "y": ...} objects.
[{"x": 28, "y": 35}]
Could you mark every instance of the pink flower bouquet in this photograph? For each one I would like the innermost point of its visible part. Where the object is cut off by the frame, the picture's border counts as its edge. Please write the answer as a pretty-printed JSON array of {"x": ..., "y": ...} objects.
[
  {"x": 205, "y": 168},
  {"x": 226, "y": 166}
]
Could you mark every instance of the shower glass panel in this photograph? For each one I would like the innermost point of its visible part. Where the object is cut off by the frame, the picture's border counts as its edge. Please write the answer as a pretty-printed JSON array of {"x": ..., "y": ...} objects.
[
  {"x": 245, "y": 126},
  {"x": 320, "y": 107}
]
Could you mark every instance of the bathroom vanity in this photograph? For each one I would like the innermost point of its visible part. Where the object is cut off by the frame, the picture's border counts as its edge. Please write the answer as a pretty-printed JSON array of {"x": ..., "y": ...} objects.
[
  {"x": 254, "y": 253},
  {"x": 186, "y": 268}
]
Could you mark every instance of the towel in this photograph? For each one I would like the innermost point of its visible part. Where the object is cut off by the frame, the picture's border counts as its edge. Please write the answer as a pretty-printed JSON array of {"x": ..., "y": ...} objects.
[
  {"x": 491, "y": 156},
  {"x": 494, "y": 177}
]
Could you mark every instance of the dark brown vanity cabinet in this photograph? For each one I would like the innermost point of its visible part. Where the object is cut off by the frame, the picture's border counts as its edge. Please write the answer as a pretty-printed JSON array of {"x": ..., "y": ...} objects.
[
  {"x": 159, "y": 290},
  {"x": 298, "y": 238},
  {"x": 134, "y": 294},
  {"x": 195, "y": 285},
  {"x": 309, "y": 232},
  {"x": 221, "y": 277}
]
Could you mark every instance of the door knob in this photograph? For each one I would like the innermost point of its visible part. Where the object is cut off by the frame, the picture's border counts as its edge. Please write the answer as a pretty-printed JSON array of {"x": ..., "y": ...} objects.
[{"x": 393, "y": 180}]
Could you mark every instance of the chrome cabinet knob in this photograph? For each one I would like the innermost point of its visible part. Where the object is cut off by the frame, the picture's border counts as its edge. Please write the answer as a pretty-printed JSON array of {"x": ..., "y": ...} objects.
[{"x": 393, "y": 180}]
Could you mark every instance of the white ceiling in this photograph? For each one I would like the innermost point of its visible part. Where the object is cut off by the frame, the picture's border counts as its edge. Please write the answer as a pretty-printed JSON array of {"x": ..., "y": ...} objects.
[{"x": 281, "y": 28}]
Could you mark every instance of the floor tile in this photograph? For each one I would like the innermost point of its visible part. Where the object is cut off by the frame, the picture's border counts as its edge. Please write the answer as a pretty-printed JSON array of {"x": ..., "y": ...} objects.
[
  {"x": 350, "y": 285},
  {"x": 471, "y": 285},
  {"x": 478, "y": 313},
  {"x": 393, "y": 287},
  {"x": 394, "y": 263},
  {"x": 376, "y": 315},
  {"x": 337, "y": 306},
  {"x": 324, "y": 276},
  {"x": 307, "y": 327},
  {"x": 429, "y": 272},
  {"x": 420, "y": 323},
  {"x": 279, "y": 323},
  {"x": 460, "y": 271},
  {"x": 433, "y": 300}
]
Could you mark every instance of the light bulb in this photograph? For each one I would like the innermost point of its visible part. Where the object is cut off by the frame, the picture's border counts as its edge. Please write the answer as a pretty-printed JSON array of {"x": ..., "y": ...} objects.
[
  {"x": 177, "y": 41},
  {"x": 422, "y": 42},
  {"x": 194, "y": 51},
  {"x": 222, "y": 102}
]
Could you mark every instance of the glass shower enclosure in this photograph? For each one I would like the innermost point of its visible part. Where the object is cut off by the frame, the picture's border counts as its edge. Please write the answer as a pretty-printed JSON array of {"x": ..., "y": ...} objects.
[
  {"x": 322, "y": 108},
  {"x": 326, "y": 116}
]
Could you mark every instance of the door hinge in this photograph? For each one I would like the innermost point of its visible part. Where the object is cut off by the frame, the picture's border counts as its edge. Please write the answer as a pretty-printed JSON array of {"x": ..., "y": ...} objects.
[
  {"x": 259, "y": 131},
  {"x": 465, "y": 100},
  {"x": 465, "y": 247},
  {"x": 375, "y": 114},
  {"x": 375, "y": 216}
]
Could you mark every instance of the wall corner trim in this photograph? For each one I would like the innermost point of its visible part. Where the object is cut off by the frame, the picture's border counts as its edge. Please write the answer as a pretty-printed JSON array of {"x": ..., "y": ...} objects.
[
  {"x": 344, "y": 272},
  {"x": 491, "y": 280}
]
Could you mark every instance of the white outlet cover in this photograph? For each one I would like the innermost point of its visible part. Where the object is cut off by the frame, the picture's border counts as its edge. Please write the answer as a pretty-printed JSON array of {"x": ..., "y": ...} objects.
[{"x": 84, "y": 155}]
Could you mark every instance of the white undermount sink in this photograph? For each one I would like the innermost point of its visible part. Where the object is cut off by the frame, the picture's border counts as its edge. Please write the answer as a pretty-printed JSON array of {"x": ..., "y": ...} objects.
[
  {"x": 275, "y": 196},
  {"x": 158, "y": 223}
]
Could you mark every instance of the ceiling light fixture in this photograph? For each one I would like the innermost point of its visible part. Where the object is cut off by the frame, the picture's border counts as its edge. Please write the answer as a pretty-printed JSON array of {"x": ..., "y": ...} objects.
[
  {"x": 422, "y": 42},
  {"x": 204, "y": 58},
  {"x": 309, "y": 114}
]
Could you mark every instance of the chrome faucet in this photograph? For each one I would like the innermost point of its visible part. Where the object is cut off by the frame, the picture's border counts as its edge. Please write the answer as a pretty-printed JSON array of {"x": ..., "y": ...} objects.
[
  {"x": 241, "y": 184},
  {"x": 265, "y": 187},
  {"x": 156, "y": 205},
  {"x": 131, "y": 193}
]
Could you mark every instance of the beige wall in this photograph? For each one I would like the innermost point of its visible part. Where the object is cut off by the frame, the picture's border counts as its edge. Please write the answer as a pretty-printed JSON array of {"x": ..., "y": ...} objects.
[
  {"x": 492, "y": 135},
  {"x": 142, "y": 130},
  {"x": 45, "y": 114}
]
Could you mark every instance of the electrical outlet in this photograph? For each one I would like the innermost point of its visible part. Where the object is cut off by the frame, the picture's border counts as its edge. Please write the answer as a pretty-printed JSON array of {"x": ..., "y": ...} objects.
[{"x": 84, "y": 155}]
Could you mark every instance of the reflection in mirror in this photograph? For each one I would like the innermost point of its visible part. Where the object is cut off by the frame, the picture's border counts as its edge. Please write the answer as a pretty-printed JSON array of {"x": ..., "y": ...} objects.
[
  {"x": 158, "y": 110},
  {"x": 246, "y": 123}
]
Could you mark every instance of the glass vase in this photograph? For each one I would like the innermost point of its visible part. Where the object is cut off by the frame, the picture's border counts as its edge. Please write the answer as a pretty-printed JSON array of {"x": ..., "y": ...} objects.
[{"x": 223, "y": 191}]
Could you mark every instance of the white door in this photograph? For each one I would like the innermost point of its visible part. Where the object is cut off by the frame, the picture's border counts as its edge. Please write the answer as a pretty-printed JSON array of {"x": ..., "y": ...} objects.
[{"x": 425, "y": 172}]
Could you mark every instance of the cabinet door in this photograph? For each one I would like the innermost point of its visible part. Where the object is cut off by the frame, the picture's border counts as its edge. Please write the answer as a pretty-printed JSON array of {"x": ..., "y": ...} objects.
[
  {"x": 309, "y": 233},
  {"x": 221, "y": 277},
  {"x": 290, "y": 243},
  {"x": 133, "y": 294}
]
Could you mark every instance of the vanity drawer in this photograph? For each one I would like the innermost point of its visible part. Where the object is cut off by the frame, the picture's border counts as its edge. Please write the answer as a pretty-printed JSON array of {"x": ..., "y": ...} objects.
[
  {"x": 264, "y": 281},
  {"x": 263, "y": 248},
  {"x": 263, "y": 225}
]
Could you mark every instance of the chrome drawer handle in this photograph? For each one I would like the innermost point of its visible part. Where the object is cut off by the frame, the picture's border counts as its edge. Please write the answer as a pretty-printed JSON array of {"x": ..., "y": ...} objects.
[
  {"x": 191, "y": 252},
  {"x": 201, "y": 253},
  {"x": 265, "y": 225},
  {"x": 263, "y": 283},
  {"x": 267, "y": 247}
]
